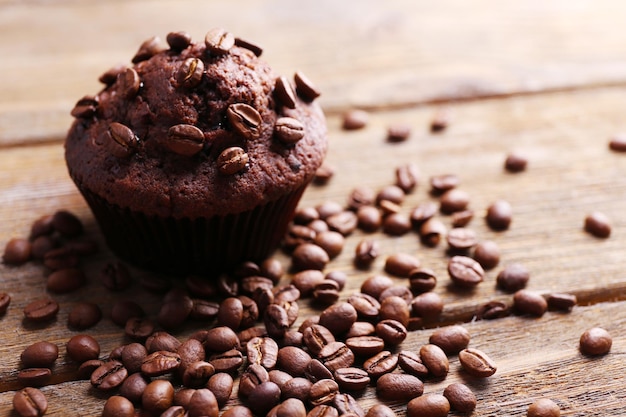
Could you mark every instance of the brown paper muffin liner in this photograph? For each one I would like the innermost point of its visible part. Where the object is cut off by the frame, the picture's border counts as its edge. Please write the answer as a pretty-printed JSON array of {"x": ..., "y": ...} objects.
[{"x": 206, "y": 246}]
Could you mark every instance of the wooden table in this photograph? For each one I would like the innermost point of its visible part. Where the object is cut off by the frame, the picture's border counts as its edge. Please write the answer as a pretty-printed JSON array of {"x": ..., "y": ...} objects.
[{"x": 547, "y": 79}]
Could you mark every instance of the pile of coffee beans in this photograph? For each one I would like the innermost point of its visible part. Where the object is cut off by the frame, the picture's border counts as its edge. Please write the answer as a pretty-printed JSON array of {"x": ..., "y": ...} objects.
[{"x": 253, "y": 345}]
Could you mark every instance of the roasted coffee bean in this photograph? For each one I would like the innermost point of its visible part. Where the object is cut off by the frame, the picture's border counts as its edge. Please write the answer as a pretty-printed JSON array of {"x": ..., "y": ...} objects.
[
  {"x": 40, "y": 355},
  {"x": 253, "y": 376},
  {"x": 178, "y": 41},
  {"x": 461, "y": 239},
  {"x": 197, "y": 374},
  {"x": 138, "y": 328},
  {"x": 407, "y": 177},
  {"x": 60, "y": 258},
  {"x": 232, "y": 160},
  {"x": 375, "y": 285},
  {"x": 221, "y": 385},
  {"x": 228, "y": 361},
  {"x": 422, "y": 280},
  {"x": 323, "y": 392},
  {"x": 396, "y": 224},
  {"x": 347, "y": 405},
  {"x": 115, "y": 276},
  {"x": 431, "y": 405},
  {"x": 499, "y": 215},
  {"x": 598, "y": 225},
  {"x": 159, "y": 341},
  {"x": 88, "y": 367},
  {"x": 134, "y": 386},
  {"x": 338, "y": 318},
  {"x": 366, "y": 346},
  {"x": 401, "y": 264},
  {"x": 42, "y": 245},
  {"x": 439, "y": 184},
  {"x": 309, "y": 256},
  {"x": 513, "y": 277},
  {"x": 305, "y": 88},
  {"x": 398, "y": 132},
  {"x": 465, "y": 272},
  {"x": 17, "y": 251},
  {"x": 305, "y": 281},
  {"x": 561, "y": 301},
  {"x": 42, "y": 309},
  {"x": 543, "y": 407},
  {"x": 263, "y": 398},
  {"x": 323, "y": 410},
  {"x": 315, "y": 337},
  {"x": 460, "y": 397},
  {"x": 190, "y": 352},
  {"x": 515, "y": 162},
  {"x": 292, "y": 338},
  {"x": 366, "y": 253},
  {"x": 332, "y": 242},
  {"x": 431, "y": 232},
  {"x": 361, "y": 196},
  {"x": 398, "y": 387},
  {"x": 255, "y": 49},
  {"x": 245, "y": 120},
  {"x": 391, "y": 331},
  {"x": 297, "y": 388},
  {"x": 5, "y": 301},
  {"x": 122, "y": 311},
  {"x": 411, "y": 363},
  {"x": 189, "y": 75},
  {"x": 453, "y": 200},
  {"x": 34, "y": 377},
  {"x": 428, "y": 306},
  {"x": 116, "y": 353},
  {"x": 316, "y": 371},
  {"x": 230, "y": 313},
  {"x": 289, "y": 130},
  {"x": 42, "y": 226},
  {"x": 85, "y": 107},
  {"x": 109, "y": 375},
  {"x": 220, "y": 339},
  {"x": 435, "y": 360},
  {"x": 118, "y": 406},
  {"x": 293, "y": 360},
  {"x": 401, "y": 291},
  {"x": 366, "y": 306},
  {"x": 336, "y": 355},
  {"x": 160, "y": 362},
  {"x": 262, "y": 351},
  {"x": 147, "y": 49},
  {"x": 328, "y": 208},
  {"x": 380, "y": 364},
  {"x": 422, "y": 213},
  {"x": 352, "y": 379},
  {"x": 323, "y": 174},
  {"x": 380, "y": 410},
  {"x": 369, "y": 218},
  {"x": 246, "y": 335},
  {"x": 451, "y": 339},
  {"x": 122, "y": 140},
  {"x": 487, "y": 254},
  {"x": 476, "y": 363},
  {"x": 185, "y": 139},
  {"x": 462, "y": 218},
  {"x": 395, "y": 308},
  {"x": 30, "y": 402},
  {"x": 65, "y": 280},
  {"x": 238, "y": 411},
  {"x": 174, "y": 411},
  {"x": 344, "y": 222},
  {"x": 276, "y": 320},
  {"x": 82, "y": 347},
  {"x": 529, "y": 302},
  {"x": 283, "y": 92},
  {"x": 492, "y": 310},
  {"x": 200, "y": 287},
  {"x": 67, "y": 223},
  {"x": 273, "y": 269},
  {"x": 354, "y": 119},
  {"x": 158, "y": 396},
  {"x": 387, "y": 209},
  {"x": 305, "y": 215},
  {"x": 326, "y": 292},
  {"x": 218, "y": 41},
  {"x": 391, "y": 193},
  {"x": 250, "y": 284},
  {"x": 595, "y": 341},
  {"x": 110, "y": 76}
]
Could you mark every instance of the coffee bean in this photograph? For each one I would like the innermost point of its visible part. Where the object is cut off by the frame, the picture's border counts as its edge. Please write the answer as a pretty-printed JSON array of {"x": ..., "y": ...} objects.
[
  {"x": 315, "y": 337},
  {"x": 395, "y": 308},
  {"x": 41, "y": 310},
  {"x": 477, "y": 363},
  {"x": 66, "y": 223},
  {"x": 460, "y": 397},
  {"x": 369, "y": 218},
  {"x": 230, "y": 313},
  {"x": 338, "y": 318},
  {"x": 323, "y": 392},
  {"x": 289, "y": 130},
  {"x": 513, "y": 277},
  {"x": 85, "y": 107},
  {"x": 262, "y": 351},
  {"x": 380, "y": 410},
  {"x": 185, "y": 139},
  {"x": 60, "y": 258},
  {"x": 138, "y": 328},
  {"x": 560, "y": 301},
  {"x": 218, "y": 41},
  {"x": 487, "y": 254},
  {"x": 398, "y": 132},
  {"x": 398, "y": 387},
  {"x": 354, "y": 119},
  {"x": 123, "y": 140},
  {"x": 203, "y": 403},
  {"x": 499, "y": 215},
  {"x": 232, "y": 160},
  {"x": 397, "y": 290},
  {"x": 40, "y": 355},
  {"x": 17, "y": 251},
  {"x": 461, "y": 239},
  {"x": 407, "y": 177},
  {"x": 465, "y": 272},
  {"x": 305, "y": 88},
  {"x": 129, "y": 83},
  {"x": 598, "y": 225},
  {"x": 227, "y": 361},
  {"x": 174, "y": 411},
  {"x": 273, "y": 269},
  {"x": 30, "y": 402},
  {"x": 34, "y": 377},
  {"x": 492, "y": 310},
  {"x": 326, "y": 292},
  {"x": 453, "y": 200},
  {"x": 255, "y": 49},
  {"x": 316, "y": 371},
  {"x": 276, "y": 320},
  {"x": 462, "y": 218},
  {"x": 178, "y": 41},
  {"x": 391, "y": 331},
  {"x": 238, "y": 411},
  {"x": 109, "y": 375},
  {"x": 283, "y": 92},
  {"x": 246, "y": 120},
  {"x": 352, "y": 379},
  {"x": 190, "y": 351},
  {"x": 375, "y": 285},
  {"x": 332, "y": 242},
  {"x": 543, "y": 407},
  {"x": 431, "y": 231},
  {"x": 366, "y": 345},
  {"x": 361, "y": 196},
  {"x": 451, "y": 339},
  {"x": 347, "y": 405},
  {"x": 366, "y": 306},
  {"x": 380, "y": 364},
  {"x": 263, "y": 398},
  {"x": 82, "y": 347},
  {"x": 401, "y": 264},
  {"x": 296, "y": 388},
  {"x": 221, "y": 385},
  {"x": 297, "y": 235},
  {"x": 65, "y": 280},
  {"x": 428, "y": 306},
  {"x": 147, "y": 49},
  {"x": 411, "y": 363},
  {"x": 595, "y": 341},
  {"x": 323, "y": 410},
  {"x": 422, "y": 213},
  {"x": 388, "y": 208},
  {"x": 88, "y": 367},
  {"x": 293, "y": 360},
  {"x": 431, "y": 405},
  {"x": 529, "y": 302},
  {"x": 439, "y": 184},
  {"x": 124, "y": 310},
  {"x": 196, "y": 374},
  {"x": 396, "y": 224},
  {"x": 118, "y": 406},
  {"x": 344, "y": 222},
  {"x": 159, "y": 396},
  {"x": 253, "y": 376},
  {"x": 366, "y": 253},
  {"x": 336, "y": 355},
  {"x": 422, "y": 280},
  {"x": 515, "y": 162},
  {"x": 134, "y": 386},
  {"x": 160, "y": 362},
  {"x": 435, "y": 360},
  {"x": 189, "y": 75},
  {"x": 250, "y": 284}
]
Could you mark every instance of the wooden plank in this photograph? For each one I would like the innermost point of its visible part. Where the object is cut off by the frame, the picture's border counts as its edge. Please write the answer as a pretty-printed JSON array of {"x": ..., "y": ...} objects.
[{"x": 374, "y": 54}]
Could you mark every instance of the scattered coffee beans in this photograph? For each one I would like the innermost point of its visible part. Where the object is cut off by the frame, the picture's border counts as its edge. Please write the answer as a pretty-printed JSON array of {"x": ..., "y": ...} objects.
[
  {"x": 431, "y": 405},
  {"x": 477, "y": 363},
  {"x": 460, "y": 397},
  {"x": 543, "y": 407},
  {"x": 598, "y": 225},
  {"x": 30, "y": 402},
  {"x": 355, "y": 119},
  {"x": 595, "y": 341}
]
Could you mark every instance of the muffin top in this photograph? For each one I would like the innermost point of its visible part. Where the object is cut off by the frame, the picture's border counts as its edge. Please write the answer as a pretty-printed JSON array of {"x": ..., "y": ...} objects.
[{"x": 196, "y": 130}]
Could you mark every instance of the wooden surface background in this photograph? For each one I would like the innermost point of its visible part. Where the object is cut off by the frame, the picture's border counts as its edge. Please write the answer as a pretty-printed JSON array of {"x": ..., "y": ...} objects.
[{"x": 544, "y": 78}]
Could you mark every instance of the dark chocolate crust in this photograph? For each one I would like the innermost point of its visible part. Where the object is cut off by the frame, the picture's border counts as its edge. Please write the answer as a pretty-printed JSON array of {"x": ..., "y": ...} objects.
[{"x": 151, "y": 179}]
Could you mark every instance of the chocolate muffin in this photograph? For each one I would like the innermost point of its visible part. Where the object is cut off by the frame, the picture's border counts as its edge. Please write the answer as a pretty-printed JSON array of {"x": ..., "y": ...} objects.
[{"x": 194, "y": 158}]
